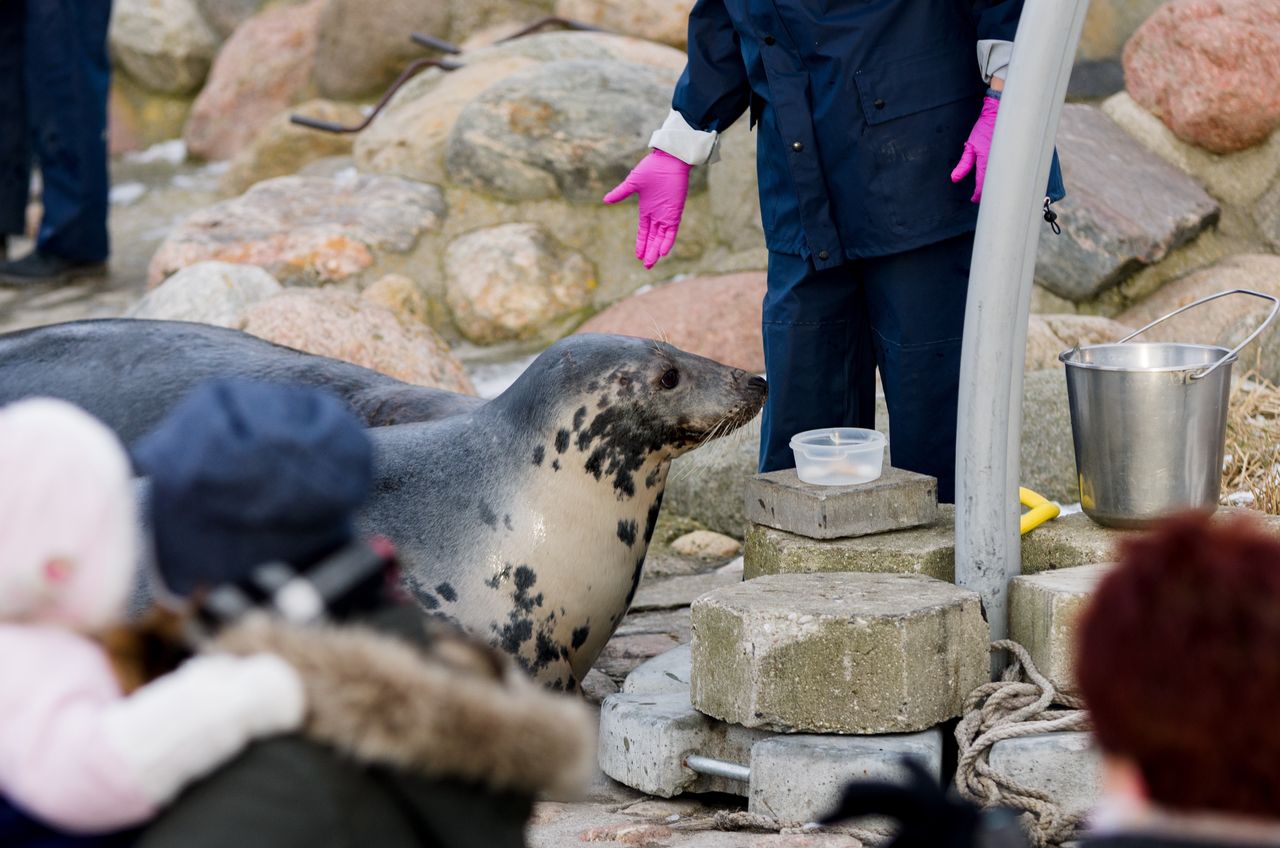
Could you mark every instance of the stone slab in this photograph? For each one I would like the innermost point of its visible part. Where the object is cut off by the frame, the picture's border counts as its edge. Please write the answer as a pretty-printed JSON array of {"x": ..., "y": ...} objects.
[
  {"x": 644, "y": 740},
  {"x": 801, "y": 778},
  {"x": 680, "y": 590},
  {"x": 665, "y": 674},
  {"x": 1126, "y": 208},
  {"x": 1043, "y": 610},
  {"x": 837, "y": 653},
  {"x": 1068, "y": 541},
  {"x": 897, "y": 500},
  {"x": 641, "y": 637},
  {"x": 929, "y": 550},
  {"x": 1071, "y": 540},
  {"x": 1066, "y": 766}
]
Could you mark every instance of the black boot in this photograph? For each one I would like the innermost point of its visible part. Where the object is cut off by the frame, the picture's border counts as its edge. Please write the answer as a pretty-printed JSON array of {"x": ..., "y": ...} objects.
[{"x": 40, "y": 269}]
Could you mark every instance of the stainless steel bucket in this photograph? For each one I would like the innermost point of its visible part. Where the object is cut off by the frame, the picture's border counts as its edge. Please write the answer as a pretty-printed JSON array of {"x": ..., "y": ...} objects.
[{"x": 1149, "y": 422}]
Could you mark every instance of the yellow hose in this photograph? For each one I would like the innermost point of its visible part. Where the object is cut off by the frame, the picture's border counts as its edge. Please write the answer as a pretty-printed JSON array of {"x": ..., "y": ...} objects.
[{"x": 1038, "y": 511}]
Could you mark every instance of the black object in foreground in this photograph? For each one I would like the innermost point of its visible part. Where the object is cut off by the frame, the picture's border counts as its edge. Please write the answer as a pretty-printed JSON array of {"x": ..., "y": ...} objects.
[{"x": 928, "y": 817}]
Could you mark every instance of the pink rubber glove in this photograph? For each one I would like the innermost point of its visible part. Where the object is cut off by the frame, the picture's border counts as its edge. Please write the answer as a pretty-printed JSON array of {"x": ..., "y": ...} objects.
[
  {"x": 662, "y": 183},
  {"x": 978, "y": 148}
]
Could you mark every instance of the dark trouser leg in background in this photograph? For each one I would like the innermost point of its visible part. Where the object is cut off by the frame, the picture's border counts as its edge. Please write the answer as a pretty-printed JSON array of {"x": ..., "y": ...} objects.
[
  {"x": 818, "y": 355},
  {"x": 916, "y": 302},
  {"x": 15, "y": 132},
  {"x": 68, "y": 74}
]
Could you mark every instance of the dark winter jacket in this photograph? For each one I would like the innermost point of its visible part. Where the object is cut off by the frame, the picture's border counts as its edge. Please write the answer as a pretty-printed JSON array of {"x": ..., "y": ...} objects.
[
  {"x": 863, "y": 110},
  {"x": 436, "y": 744}
]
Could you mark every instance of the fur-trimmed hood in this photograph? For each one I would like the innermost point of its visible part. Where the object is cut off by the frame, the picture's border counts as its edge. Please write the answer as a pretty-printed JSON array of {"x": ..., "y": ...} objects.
[{"x": 445, "y": 708}]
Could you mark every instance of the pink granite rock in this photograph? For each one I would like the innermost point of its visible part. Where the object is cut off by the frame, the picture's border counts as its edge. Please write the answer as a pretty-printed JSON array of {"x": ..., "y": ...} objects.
[
  {"x": 264, "y": 67},
  {"x": 345, "y": 326},
  {"x": 307, "y": 230},
  {"x": 1210, "y": 69},
  {"x": 717, "y": 317}
]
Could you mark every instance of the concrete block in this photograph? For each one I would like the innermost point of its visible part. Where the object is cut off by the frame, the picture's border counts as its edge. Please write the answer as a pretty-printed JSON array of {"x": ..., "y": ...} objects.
[
  {"x": 1066, "y": 766},
  {"x": 898, "y": 500},
  {"x": 929, "y": 550},
  {"x": 837, "y": 653},
  {"x": 1043, "y": 609},
  {"x": 800, "y": 778},
  {"x": 645, "y": 738},
  {"x": 1068, "y": 541},
  {"x": 665, "y": 674},
  {"x": 1071, "y": 540}
]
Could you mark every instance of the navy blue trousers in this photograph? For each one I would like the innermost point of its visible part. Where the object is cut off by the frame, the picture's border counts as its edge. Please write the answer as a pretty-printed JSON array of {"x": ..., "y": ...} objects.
[
  {"x": 54, "y": 79},
  {"x": 826, "y": 333}
]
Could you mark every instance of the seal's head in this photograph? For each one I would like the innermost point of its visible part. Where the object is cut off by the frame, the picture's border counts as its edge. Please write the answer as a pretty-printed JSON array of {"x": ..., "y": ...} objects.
[{"x": 620, "y": 404}]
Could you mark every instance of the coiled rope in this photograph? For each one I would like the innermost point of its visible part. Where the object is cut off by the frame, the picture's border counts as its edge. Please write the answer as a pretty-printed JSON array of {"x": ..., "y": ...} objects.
[
  {"x": 738, "y": 820},
  {"x": 1022, "y": 703}
]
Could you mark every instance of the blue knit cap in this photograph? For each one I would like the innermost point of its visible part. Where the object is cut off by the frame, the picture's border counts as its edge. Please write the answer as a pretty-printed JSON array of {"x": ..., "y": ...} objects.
[{"x": 245, "y": 473}]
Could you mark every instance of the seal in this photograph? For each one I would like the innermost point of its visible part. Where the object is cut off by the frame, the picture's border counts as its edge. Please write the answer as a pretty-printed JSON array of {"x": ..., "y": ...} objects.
[
  {"x": 131, "y": 372},
  {"x": 527, "y": 519}
]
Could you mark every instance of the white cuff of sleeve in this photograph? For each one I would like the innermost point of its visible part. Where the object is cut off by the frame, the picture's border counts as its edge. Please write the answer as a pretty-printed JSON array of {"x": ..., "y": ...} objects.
[
  {"x": 993, "y": 58},
  {"x": 187, "y": 723},
  {"x": 682, "y": 141}
]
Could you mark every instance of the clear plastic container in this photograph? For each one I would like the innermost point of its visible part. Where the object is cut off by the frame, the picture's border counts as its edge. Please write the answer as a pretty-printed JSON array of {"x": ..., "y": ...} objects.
[{"x": 838, "y": 456}]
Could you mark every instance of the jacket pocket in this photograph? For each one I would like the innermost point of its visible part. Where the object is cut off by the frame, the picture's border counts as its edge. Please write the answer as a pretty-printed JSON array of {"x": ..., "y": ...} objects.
[{"x": 919, "y": 83}]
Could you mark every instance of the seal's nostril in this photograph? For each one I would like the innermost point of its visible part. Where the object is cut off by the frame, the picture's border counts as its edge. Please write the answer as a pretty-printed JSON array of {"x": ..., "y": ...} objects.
[{"x": 759, "y": 384}]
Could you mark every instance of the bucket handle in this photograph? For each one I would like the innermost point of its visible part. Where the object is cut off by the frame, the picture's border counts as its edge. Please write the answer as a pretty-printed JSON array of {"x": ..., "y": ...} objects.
[{"x": 1275, "y": 307}]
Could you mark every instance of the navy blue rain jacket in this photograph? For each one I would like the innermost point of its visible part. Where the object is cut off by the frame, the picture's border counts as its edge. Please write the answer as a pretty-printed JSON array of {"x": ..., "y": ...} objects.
[{"x": 862, "y": 106}]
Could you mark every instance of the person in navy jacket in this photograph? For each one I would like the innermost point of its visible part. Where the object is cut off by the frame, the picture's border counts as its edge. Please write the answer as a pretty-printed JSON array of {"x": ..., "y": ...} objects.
[{"x": 873, "y": 132}]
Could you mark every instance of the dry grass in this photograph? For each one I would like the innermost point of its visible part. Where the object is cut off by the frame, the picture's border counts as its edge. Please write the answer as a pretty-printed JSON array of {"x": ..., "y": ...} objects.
[{"x": 1251, "y": 470}]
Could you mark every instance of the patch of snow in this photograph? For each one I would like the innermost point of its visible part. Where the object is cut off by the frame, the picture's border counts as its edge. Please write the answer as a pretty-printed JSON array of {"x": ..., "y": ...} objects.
[
  {"x": 492, "y": 379},
  {"x": 216, "y": 169},
  {"x": 173, "y": 151},
  {"x": 1241, "y": 499},
  {"x": 126, "y": 193},
  {"x": 1070, "y": 509}
]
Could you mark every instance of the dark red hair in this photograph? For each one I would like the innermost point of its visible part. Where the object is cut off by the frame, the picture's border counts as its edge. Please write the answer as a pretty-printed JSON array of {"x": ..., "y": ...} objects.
[{"x": 1178, "y": 659}]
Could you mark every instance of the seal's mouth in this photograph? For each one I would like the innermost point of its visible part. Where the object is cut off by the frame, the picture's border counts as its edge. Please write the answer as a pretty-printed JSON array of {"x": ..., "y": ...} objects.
[{"x": 752, "y": 394}]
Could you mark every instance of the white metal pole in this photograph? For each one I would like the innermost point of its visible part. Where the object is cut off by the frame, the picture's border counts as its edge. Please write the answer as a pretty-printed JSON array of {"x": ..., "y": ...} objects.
[{"x": 989, "y": 435}]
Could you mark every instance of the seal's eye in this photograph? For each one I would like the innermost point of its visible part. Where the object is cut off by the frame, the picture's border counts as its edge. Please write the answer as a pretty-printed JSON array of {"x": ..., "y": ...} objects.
[{"x": 671, "y": 379}]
